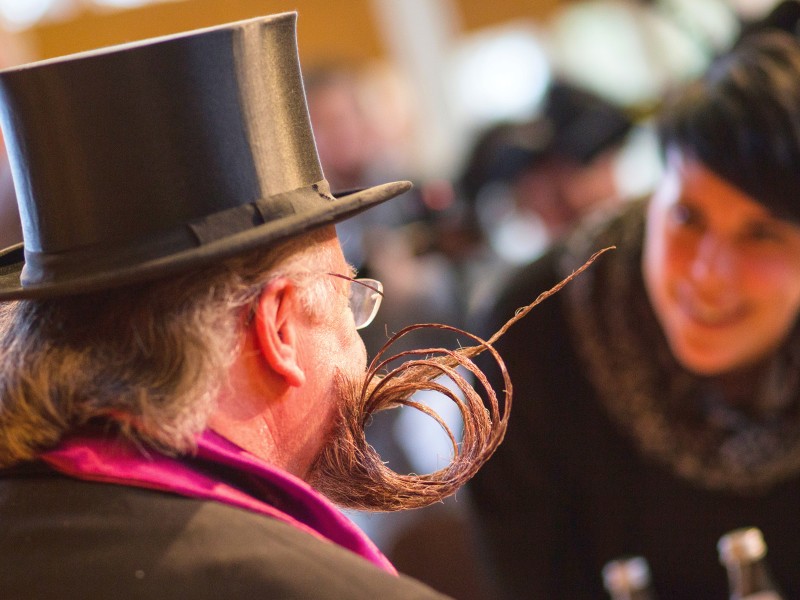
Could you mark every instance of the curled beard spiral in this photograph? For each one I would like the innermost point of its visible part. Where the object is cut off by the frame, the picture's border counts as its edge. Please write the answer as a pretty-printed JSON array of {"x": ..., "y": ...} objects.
[{"x": 349, "y": 470}]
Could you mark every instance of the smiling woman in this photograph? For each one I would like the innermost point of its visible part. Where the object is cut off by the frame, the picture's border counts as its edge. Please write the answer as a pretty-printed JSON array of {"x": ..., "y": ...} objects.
[
  {"x": 722, "y": 273},
  {"x": 658, "y": 398}
]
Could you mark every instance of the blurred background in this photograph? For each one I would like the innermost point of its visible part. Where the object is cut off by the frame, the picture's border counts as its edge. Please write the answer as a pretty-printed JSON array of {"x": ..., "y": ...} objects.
[
  {"x": 464, "y": 63},
  {"x": 428, "y": 78},
  {"x": 426, "y": 90},
  {"x": 516, "y": 119}
]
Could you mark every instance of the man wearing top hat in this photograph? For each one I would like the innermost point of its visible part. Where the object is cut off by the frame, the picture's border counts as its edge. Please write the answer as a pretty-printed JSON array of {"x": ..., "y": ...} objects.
[{"x": 181, "y": 329}]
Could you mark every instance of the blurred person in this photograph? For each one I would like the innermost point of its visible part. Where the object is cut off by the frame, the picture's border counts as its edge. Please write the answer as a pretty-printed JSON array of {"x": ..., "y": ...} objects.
[
  {"x": 560, "y": 166},
  {"x": 389, "y": 242},
  {"x": 572, "y": 152},
  {"x": 181, "y": 375},
  {"x": 361, "y": 125},
  {"x": 525, "y": 185},
  {"x": 342, "y": 134},
  {"x": 354, "y": 154},
  {"x": 658, "y": 397}
]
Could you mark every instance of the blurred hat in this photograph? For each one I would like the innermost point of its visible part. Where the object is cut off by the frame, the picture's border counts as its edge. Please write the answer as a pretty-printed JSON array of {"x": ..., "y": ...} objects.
[
  {"x": 574, "y": 124},
  {"x": 138, "y": 161},
  {"x": 581, "y": 124}
]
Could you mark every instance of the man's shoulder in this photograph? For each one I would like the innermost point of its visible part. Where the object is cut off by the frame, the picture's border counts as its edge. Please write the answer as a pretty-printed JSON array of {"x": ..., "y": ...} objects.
[{"x": 74, "y": 535}]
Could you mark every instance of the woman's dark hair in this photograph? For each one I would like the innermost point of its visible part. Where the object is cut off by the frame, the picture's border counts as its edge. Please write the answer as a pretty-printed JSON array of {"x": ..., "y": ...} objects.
[{"x": 741, "y": 119}]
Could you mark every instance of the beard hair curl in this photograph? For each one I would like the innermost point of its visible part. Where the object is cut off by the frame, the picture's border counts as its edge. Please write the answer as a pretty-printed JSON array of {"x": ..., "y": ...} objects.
[{"x": 351, "y": 473}]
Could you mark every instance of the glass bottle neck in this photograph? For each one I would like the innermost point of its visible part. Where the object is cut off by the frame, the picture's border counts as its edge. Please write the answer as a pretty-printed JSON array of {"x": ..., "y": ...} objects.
[{"x": 751, "y": 581}]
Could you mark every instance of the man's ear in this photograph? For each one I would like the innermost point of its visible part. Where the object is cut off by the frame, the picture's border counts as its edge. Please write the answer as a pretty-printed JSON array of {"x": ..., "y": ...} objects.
[{"x": 277, "y": 312}]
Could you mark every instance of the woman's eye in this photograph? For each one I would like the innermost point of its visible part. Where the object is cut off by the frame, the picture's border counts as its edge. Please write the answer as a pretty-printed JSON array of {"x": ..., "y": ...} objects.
[{"x": 683, "y": 214}]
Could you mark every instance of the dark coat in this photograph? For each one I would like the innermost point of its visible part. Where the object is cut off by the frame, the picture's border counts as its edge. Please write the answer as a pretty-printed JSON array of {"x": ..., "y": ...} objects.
[
  {"x": 64, "y": 539},
  {"x": 568, "y": 490}
]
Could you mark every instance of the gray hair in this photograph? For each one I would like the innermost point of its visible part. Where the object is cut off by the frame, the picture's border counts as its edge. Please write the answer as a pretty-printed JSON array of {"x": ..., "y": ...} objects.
[{"x": 151, "y": 358}]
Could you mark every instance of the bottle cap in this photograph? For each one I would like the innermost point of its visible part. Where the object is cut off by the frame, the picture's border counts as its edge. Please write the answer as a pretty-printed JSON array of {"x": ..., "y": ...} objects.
[
  {"x": 626, "y": 574},
  {"x": 742, "y": 545}
]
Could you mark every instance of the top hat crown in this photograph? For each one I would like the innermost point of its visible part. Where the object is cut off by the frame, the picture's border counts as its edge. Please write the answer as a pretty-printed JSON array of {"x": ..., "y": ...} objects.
[{"x": 136, "y": 161}]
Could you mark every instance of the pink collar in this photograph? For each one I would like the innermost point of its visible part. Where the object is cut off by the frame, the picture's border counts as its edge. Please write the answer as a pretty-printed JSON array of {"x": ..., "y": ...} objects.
[{"x": 94, "y": 457}]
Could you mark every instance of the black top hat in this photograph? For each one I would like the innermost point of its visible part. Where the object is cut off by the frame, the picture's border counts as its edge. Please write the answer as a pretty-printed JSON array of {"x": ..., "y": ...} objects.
[{"x": 142, "y": 160}]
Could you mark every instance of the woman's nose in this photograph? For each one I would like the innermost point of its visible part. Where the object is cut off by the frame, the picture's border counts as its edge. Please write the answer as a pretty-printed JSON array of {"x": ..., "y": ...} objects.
[{"x": 714, "y": 260}]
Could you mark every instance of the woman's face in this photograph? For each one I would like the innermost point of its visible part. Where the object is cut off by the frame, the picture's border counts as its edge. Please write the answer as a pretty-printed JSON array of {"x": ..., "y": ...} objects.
[{"x": 722, "y": 274}]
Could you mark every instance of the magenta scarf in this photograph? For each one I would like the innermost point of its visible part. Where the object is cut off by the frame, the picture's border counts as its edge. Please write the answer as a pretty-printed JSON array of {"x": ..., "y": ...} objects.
[{"x": 96, "y": 458}]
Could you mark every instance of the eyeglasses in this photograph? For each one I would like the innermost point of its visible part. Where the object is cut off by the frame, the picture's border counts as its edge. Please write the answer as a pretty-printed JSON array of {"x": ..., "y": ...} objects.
[{"x": 365, "y": 299}]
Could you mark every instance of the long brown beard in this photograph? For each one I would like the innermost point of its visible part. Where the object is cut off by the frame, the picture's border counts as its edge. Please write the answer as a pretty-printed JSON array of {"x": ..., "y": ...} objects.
[{"x": 351, "y": 473}]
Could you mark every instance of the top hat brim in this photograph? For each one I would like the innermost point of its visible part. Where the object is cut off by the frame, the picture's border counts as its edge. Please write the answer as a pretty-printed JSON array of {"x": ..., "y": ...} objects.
[{"x": 12, "y": 260}]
